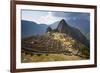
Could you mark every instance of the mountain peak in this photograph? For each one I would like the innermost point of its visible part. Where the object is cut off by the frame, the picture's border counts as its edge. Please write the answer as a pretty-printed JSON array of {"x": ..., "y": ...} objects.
[
  {"x": 62, "y": 26},
  {"x": 62, "y": 21}
]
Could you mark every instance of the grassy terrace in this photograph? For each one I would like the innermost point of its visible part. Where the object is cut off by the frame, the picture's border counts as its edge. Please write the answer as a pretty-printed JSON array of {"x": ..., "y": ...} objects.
[
  {"x": 49, "y": 57},
  {"x": 53, "y": 42}
]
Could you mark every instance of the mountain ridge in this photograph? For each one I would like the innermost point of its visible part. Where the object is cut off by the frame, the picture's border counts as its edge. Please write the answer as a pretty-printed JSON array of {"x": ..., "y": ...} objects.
[
  {"x": 75, "y": 33},
  {"x": 30, "y": 28}
]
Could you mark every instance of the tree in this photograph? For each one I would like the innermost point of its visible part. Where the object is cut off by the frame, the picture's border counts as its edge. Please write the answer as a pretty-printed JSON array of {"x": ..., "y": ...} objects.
[{"x": 49, "y": 29}]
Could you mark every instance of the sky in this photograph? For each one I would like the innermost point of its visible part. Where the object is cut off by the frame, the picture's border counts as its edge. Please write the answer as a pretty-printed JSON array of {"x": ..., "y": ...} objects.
[{"x": 49, "y": 17}]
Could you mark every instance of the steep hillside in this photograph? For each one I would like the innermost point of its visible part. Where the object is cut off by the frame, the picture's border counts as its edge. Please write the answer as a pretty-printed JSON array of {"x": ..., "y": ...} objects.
[
  {"x": 29, "y": 28},
  {"x": 63, "y": 27}
]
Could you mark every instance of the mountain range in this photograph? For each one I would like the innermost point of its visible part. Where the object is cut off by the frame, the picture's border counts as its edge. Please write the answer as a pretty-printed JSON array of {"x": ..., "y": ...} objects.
[
  {"x": 30, "y": 28},
  {"x": 82, "y": 25}
]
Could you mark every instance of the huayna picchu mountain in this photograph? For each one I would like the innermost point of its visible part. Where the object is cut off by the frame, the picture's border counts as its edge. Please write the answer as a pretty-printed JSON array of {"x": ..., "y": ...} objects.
[{"x": 75, "y": 33}]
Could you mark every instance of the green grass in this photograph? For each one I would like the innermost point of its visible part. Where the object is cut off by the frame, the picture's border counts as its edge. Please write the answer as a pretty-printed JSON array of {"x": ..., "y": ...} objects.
[{"x": 48, "y": 58}]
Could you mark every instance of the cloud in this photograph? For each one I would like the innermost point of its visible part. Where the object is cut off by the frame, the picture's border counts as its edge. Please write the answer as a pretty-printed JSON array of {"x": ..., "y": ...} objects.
[
  {"x": 72, "y": 15},
  {"x": 48, "y": 19},
  {"x": 40, "y": 17}
]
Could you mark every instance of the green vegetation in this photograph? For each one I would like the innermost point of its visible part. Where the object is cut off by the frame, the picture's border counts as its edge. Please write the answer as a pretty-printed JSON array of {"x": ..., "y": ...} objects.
[
  {"x": 87, "y": 36},
  {"x": 85, "y": 52},
  {"x": 49, "y": 29},
  {"x": 55, "y": 46},
  {"x": 49, "y": 57}
]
